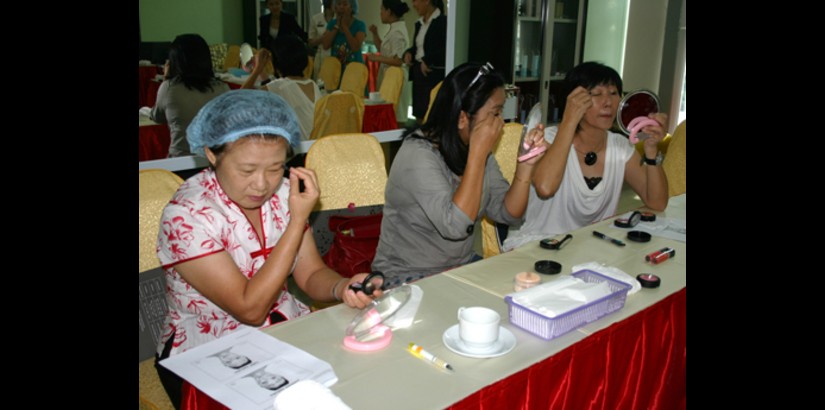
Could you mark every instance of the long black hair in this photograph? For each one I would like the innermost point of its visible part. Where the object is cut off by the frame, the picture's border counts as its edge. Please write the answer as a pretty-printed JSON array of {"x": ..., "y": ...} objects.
[
  {"x": 455, "y": 96},
  {"x": 191, "y": 63}
]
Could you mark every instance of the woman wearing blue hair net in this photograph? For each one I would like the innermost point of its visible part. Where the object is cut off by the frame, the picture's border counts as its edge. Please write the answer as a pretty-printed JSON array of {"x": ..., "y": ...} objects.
[{"x": 232, "y": 234}]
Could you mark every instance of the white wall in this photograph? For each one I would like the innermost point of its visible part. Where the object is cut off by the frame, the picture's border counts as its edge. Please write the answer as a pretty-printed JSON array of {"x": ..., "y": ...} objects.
[
  {"x": 605, "y": 32},
  {"x": 643, "y": 45}
]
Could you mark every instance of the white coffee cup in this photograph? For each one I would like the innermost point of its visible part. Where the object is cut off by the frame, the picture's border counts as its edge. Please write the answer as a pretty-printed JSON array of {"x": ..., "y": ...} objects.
[
  {"x": 478, "y": 326},
  {"x": 375, "y": 96}
]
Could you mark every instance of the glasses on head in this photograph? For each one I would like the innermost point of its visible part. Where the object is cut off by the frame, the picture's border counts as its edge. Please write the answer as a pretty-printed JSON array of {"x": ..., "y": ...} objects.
[{"x": 485, "y": 69}]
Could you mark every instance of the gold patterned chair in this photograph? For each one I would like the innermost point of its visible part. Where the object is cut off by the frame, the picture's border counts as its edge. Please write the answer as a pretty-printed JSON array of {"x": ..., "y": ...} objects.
[
  {"x": 674, "y": 163},
  {"x": 505, "y": 152},
  {"x": 156, "y": 187},
  {"x": 350, "y": 169},
  {"x": 338, "y": 113},
  {"x": 330, "y": 73},
  {"x": 355, "y": 78},
  {"x": 391, "y": 85},
  {"x": 233, "y": 57},
  {"x": 433, "y": 93}
]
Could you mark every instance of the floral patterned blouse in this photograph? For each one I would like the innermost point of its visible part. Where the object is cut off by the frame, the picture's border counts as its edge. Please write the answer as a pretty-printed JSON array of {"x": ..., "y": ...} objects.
[{"x": 201, "y": 220}]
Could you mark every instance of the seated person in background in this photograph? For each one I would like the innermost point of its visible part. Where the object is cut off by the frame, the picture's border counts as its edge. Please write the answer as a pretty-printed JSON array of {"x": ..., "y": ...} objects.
[
  {"x": 300, "y": 93},
  {"x": 188, "y": 84},
  {"x": 445, "y": 178},
  {"x": 579, "y": 180},
  {"x": 233, "y": 233}
]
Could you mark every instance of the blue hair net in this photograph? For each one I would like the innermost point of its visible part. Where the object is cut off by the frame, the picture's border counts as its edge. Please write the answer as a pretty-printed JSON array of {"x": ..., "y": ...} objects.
[{"x": 239, "y": 113}]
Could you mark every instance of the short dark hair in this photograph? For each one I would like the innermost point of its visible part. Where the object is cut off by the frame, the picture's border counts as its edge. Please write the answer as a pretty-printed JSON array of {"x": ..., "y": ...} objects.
[
  {"x": 191, "y": 62},
  {"x": 590, "y": 74},
  {"x": 455, "y": 96},
  {"x": 290, "y": 55}
]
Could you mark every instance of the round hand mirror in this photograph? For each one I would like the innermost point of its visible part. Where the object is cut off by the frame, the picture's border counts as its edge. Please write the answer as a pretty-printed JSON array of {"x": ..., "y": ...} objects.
[{"x": 634, "y": 105}]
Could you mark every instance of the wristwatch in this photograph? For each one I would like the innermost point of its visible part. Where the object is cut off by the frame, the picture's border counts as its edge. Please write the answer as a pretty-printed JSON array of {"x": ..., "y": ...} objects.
[{"x": 654, "y": 161}]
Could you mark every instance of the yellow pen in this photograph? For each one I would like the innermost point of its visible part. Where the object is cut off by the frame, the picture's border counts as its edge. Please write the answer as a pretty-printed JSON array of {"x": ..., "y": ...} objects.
[{"x": 420, "y": 353}]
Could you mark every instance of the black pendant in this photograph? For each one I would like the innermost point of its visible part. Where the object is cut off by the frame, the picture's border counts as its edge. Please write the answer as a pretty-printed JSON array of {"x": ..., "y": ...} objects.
[{"x": 590, "y": 158}]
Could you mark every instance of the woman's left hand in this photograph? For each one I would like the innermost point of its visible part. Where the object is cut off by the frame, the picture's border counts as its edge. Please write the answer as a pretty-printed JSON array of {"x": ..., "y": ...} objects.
[
  {"x": 535, "y": 138},
  {"x": 358, "y": 299},
  {"x": 425, "y": 69},
  {"x": 656, "y": 133}
]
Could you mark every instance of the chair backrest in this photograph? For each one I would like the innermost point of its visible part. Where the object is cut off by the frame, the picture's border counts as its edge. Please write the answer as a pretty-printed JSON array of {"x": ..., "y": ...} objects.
[
  {"x": 350, "y": 169},
  {"x": 674, "y": 163},
  {"x": 505, "y": 152},
  {"x": 391, "y": 85},
  {"x": 338, "y": 113},
  {"x": 433, "y": 93},
  {"x": 156, "y": 187},
  {"x": 310, "y": 67},
  {"x": 330, "y": 73},
  {"x": 233, "y": 57},
  {"x": 355, "y": 78}
]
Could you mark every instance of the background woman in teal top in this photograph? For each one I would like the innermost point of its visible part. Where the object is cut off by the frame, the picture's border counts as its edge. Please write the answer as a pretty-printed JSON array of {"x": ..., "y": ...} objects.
[{"x": 345, "y": 33}]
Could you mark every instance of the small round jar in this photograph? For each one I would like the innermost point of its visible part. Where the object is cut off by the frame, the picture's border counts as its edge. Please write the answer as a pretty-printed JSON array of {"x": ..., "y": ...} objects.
[{"x": 525, "y": 280}]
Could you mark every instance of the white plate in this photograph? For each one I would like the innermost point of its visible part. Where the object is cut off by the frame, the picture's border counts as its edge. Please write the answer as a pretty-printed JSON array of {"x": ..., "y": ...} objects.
[{"x": 505, "y": 343}]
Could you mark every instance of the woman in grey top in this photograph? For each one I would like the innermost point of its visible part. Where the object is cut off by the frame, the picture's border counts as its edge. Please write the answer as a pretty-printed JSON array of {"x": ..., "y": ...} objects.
[
  {"x": 188, "y": 84},
  {"x": 444, "y": 179}
]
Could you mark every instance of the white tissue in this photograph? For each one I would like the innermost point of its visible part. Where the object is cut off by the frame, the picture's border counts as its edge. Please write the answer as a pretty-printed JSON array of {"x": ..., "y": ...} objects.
[
  {"x": 145, "y": 111},
  {"x": 308, "y": 395},
  {"x": 561, "y": 295},
  {"x": 612, "y": 272}
]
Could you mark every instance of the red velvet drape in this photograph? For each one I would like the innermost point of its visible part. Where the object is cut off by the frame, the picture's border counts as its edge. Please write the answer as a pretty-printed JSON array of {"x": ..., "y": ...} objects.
[
  {"x": 379, "y": 117},
  {"x": 153, "y": 142}
]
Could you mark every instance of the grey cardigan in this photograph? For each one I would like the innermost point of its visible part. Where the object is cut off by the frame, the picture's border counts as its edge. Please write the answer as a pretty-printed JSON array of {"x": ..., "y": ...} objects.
[{"x": 423, "y": 232}]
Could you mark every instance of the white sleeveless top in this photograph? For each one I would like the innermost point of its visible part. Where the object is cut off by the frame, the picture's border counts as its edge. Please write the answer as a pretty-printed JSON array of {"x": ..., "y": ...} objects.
[{"x": 574, "y": 205}]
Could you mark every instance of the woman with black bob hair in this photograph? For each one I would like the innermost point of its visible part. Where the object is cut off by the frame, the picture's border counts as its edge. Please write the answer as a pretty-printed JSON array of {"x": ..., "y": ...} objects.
[
  {"x": 188, "y": 84},
  {"x": 444, "y": 179}
]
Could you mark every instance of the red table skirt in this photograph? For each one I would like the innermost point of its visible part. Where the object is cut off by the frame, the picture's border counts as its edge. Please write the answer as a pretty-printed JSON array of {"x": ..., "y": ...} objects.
[
  {"x": 154, "y": 142},
  {"x": 638, "y": 363},
  {"x": 372, "y": 68},
  {"x": 380, "y": 117}
]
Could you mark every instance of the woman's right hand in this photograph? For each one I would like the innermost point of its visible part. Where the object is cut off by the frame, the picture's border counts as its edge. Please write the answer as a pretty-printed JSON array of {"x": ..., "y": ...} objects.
[
  {"x": 301, "y": 203},
  {"x": 373, "y": 29},
  {"x": 486, "y": 132},
  {"x": 578, "y": 102}
]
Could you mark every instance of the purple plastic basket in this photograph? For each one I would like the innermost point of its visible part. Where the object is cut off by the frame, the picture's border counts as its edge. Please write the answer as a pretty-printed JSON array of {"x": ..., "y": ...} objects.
[{"x": 551, "y": 327}]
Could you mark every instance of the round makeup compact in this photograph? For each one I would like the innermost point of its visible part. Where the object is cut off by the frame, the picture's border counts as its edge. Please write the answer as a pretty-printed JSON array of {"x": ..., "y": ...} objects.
[
  {"x": 638, "y": 236},
  {"x": 547, "y": 267},
  {"x": 630, "y": 222},
  {"x": 648, "y": 280}
]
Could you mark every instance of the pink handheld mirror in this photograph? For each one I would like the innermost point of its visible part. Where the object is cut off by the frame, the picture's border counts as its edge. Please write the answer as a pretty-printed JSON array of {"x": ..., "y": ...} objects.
[
  {"x": 525, "y": 149},
  {"x": 633, "y": 113}
]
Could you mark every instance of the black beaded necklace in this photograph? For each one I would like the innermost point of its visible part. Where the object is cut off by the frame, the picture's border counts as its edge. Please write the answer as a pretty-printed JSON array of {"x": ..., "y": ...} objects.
[{"x": 590, "y": 158}]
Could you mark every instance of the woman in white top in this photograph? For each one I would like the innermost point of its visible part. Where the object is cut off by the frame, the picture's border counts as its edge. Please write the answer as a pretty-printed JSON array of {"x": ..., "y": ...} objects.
[
  {"x": 579, "y": 180},
  {"x": 318, "y": 26},
  {"x": 300, "y": 93},
  {"x": 392, "y": 48}
]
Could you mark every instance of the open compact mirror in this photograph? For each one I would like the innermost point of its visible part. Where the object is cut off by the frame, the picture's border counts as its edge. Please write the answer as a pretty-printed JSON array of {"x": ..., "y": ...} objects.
[
  {"x": 367, "y": 331},
  {"x": 527, "y": 150},
  {"x": 633, "y": 113},
  {"x": 247, "y": 57}
]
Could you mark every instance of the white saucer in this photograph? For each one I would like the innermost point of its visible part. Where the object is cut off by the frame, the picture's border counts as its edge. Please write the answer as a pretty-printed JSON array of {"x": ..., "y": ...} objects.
[{"x": 505, "y": 343}]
